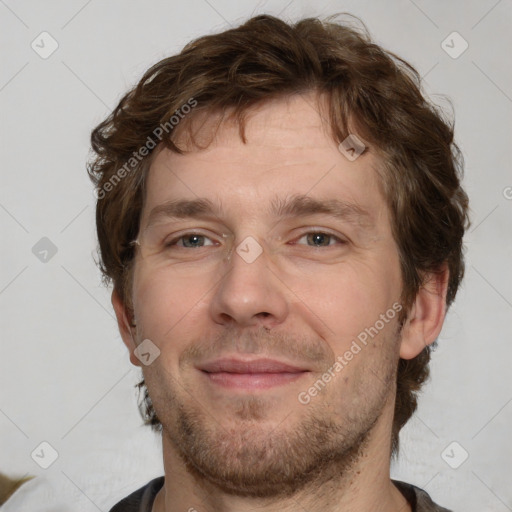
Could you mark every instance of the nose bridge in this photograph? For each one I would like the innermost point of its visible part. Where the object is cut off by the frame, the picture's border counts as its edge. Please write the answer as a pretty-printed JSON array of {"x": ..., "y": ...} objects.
[{"x": 249, "y": 293}]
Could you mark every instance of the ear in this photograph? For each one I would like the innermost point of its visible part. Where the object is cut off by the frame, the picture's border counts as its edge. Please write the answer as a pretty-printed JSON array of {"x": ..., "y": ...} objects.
[
  {"x": 427, "y": 314},
  {"x": 125, "y": 328}
]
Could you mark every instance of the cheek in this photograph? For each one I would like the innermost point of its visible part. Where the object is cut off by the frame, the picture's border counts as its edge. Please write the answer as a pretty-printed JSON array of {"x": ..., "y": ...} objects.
[
  {"x": 168, "y": 305},
  {"x": 347, "y": 299}
]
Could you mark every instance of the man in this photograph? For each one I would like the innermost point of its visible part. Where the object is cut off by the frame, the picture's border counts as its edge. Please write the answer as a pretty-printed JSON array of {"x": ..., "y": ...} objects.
[{"x": 280, "y": 212}]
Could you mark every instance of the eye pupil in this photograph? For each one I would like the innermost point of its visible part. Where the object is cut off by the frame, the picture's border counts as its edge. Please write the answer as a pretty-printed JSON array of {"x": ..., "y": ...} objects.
[
  {"x": 194, "y": 239},
  {"x": 320, "y": 239}
]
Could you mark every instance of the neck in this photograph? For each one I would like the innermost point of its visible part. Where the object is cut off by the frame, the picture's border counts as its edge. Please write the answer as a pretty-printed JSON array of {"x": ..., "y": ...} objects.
[{"x": 365, "y": 486}]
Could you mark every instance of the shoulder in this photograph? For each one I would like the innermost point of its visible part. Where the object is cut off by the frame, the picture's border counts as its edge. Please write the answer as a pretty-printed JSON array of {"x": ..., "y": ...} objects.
[
  {"x": 39, "y": 494},
  {"x": 142, "y": 499},
  {"x": 420, "y": 500}
]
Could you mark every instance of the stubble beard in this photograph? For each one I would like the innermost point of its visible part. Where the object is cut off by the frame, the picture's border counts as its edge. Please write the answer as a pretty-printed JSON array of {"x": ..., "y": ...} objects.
[
  {"x": 252, "y": 457},
  {"x": 253, "y": 454}
]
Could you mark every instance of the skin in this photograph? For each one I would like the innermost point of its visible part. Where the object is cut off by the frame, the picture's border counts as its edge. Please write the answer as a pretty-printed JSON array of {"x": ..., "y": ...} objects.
[{"x": 303, "y": 300}]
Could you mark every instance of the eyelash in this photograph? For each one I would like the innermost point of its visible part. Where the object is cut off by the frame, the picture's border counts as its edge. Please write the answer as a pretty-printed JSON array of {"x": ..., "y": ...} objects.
[{"x": 172, "y": 242}]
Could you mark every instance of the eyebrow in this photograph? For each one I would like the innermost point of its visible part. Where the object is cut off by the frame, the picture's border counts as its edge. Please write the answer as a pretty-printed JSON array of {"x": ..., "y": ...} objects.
[{"x": 294, "y": 206}]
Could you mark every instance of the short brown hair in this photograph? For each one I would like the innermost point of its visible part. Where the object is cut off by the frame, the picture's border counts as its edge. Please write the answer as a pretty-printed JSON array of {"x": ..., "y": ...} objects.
[{"x": 371, "y": 89}]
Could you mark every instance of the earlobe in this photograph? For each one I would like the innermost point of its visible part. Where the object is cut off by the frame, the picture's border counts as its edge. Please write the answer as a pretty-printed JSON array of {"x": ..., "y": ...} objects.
[
  {"x": 427, "y": 314},
  {"x": 125, "y": 328}
]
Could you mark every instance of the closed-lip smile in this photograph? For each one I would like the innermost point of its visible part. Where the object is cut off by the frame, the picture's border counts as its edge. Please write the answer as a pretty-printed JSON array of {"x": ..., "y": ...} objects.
[{"x": 254, "y": 374}]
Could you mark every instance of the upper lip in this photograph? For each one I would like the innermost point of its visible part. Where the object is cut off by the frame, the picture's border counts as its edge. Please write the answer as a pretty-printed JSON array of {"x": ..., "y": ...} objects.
[{"x": 263, "y": 365}]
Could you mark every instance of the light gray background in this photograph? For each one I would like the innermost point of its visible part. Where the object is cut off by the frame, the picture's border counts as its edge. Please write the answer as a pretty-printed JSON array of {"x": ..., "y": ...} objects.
[{"x": 64, "y": 372}]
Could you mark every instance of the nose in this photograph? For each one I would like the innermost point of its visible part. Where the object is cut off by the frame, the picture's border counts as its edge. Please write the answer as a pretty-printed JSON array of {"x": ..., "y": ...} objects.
[{"x": 250, "y": 293}]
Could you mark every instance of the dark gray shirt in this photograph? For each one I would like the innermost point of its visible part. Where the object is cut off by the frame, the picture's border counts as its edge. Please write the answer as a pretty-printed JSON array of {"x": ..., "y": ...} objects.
[{"x": 142, "y": 499}]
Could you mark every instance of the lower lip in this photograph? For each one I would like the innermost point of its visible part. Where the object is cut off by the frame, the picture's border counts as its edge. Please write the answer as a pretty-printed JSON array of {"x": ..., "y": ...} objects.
[{"x": 252, "y": 381}]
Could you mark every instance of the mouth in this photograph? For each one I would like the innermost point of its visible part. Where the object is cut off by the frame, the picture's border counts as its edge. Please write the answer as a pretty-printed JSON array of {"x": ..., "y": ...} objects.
[{"x": 250, "y": 375}]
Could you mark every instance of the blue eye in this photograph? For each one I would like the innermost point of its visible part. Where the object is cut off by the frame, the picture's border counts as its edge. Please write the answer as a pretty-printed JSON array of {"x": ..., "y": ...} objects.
[
  {"x": 320, "y": 239},
  {"x": 315, "y": 239},
  {"x": 189, "y": 240}
]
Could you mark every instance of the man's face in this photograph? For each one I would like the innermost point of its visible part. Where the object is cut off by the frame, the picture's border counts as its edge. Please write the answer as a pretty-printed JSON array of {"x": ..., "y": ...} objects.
[{"x": 254, "y": 302}]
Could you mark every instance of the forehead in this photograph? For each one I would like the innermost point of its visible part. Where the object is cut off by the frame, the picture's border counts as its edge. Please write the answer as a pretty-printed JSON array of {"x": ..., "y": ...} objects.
[
  {"x": 289, "y": 150},
  {"x": 298, "y": 121}
]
